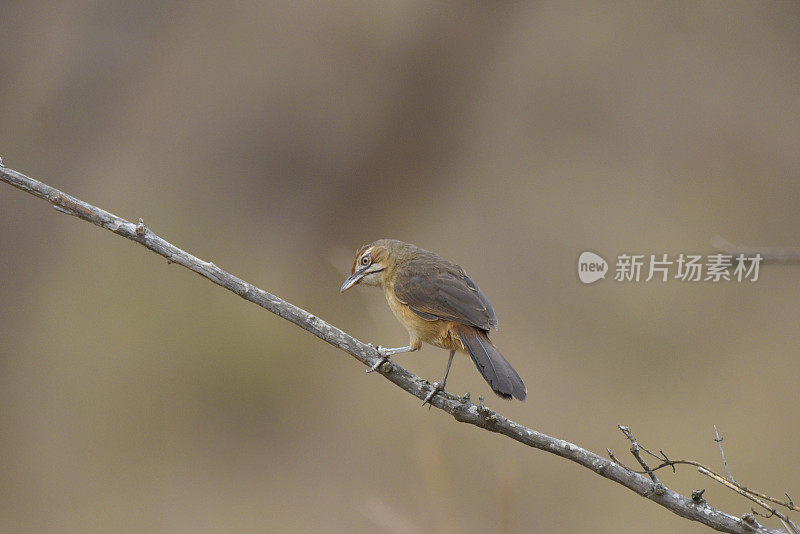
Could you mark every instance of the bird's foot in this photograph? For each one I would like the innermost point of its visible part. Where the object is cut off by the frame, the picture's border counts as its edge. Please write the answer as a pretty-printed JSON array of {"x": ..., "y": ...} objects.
[
  {"x": 384, "y": 357},
  {"x": 437, "y": 387}
]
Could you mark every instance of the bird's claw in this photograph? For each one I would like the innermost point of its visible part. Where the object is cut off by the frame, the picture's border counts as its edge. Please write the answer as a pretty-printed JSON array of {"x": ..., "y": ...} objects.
[
  {"x": 380, "y": 361},
  {"x": 437, "y": 387}
]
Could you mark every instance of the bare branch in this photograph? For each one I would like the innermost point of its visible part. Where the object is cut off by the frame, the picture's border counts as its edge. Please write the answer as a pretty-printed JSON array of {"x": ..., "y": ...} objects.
[
  {"x": 768, "y": 254},
  {"x": 459, "y": 407}
]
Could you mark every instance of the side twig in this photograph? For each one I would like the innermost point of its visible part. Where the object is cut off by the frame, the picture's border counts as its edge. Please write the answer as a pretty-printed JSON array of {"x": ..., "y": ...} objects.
[
  {"x": 459, "y": 407},
  {"x": 768, "y": 254},
  {"x": 755, "y": 496},
  {"x": 718, "y": 439},
  {"x": 788, "y": 523},
  {"x": 657, "y": 485}
]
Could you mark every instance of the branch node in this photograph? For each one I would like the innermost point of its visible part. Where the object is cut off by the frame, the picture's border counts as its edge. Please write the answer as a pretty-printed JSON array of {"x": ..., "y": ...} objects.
[
  {"x": 749, "y": 523},
  {"x": 765, "y": 516},
  {"x": 491, "y": 419},
  {"x": 697, "y": 496},
  {"x": 243, "y": 289},
  {"x": 141, "y": 229},
  {"x": 638, "y": 455},
  {"x": 61, "y": 210},
  {"x": 463, "y": 413},
  {"x": 667, "y": 460}
]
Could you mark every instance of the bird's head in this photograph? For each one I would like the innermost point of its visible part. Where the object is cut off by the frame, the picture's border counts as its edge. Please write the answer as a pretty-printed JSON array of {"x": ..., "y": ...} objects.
[{"x": 372, "y": 264}]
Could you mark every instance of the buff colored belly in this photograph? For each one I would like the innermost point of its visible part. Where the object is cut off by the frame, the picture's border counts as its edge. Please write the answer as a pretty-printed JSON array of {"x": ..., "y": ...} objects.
[{"x": 438, "y": 333}]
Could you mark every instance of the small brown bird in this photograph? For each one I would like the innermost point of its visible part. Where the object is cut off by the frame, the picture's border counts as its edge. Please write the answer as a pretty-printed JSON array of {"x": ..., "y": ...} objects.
[{"x": 437, "y": 303}]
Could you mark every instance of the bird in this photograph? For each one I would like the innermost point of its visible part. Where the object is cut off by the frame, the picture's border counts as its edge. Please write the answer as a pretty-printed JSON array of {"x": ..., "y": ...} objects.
[{"x": 439, "y": 304}]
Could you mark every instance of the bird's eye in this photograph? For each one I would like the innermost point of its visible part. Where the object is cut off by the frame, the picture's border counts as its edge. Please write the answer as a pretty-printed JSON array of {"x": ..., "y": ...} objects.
[{"x": 365, "y": 260}]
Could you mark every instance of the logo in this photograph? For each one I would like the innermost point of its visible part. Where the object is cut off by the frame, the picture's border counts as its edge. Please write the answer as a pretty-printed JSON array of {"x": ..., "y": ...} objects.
[
  {"x": 591, "y": 267},
  {"x": 662, "y": 267}
]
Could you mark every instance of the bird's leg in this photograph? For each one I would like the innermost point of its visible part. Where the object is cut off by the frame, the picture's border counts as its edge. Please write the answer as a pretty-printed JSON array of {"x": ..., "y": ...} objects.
[
  {"x": 437, "y": 387},
  {"x": 385, "y": 353}
]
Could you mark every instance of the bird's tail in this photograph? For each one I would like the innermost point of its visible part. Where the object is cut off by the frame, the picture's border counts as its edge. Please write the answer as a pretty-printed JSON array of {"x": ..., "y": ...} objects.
[{"x": 495, "y": 369}]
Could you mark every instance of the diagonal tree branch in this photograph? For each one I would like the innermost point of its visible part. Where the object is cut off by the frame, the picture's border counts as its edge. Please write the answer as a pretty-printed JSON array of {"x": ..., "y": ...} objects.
[
  {"x": 459, "y": 407},
  {"x": 768, "y": 254}
]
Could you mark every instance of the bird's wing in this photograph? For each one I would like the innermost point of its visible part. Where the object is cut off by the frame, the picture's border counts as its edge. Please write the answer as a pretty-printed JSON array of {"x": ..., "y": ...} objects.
[{"x": 441, "y": 290}]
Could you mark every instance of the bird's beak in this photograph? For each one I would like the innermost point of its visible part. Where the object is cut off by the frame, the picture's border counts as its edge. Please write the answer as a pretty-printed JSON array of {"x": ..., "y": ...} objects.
[{"x": 353, "y": 279}]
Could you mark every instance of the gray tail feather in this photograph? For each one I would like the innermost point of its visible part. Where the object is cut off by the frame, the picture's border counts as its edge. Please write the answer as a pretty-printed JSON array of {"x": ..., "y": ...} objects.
[{"x": 495, "y": 369}]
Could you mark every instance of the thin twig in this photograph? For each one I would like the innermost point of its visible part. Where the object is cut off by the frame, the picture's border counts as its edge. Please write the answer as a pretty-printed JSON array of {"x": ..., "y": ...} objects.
[
  {"x": 638, "y": 455},
  {"x": 768, "y": 254},
  {"x": 718, "y": 439},
  {"x": 753, "y": 495},
  {"x": 749, "y": 495},
  {"x": 613, "y": 458},
  {"x": 672, "y": 463},
  {"x": 460, "y": 408},
  {"x": 786, "y": 504},
  {"x": 791, "y": 527}
]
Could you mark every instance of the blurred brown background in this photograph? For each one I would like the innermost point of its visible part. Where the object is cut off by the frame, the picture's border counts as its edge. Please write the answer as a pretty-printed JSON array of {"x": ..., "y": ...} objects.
[{"x": 275, "y": 139}]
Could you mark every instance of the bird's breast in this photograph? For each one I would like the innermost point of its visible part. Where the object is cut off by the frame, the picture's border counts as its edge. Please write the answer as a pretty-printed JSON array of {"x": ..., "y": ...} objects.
[{"x": 438, "y": 333}]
